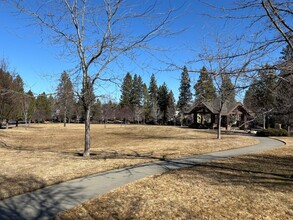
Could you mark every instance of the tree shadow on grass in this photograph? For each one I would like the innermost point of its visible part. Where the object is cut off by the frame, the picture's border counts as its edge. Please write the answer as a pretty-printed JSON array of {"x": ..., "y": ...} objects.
[
  {"x": 270, "y": 171},
  {"x": 40, "y": 204}
]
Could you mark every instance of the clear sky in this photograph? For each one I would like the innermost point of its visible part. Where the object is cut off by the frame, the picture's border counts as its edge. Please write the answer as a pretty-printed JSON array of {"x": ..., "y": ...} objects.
[{"x": 40, "y": 63}]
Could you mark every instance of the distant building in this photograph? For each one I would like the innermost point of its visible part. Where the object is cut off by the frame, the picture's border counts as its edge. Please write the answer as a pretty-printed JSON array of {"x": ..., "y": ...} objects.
[{"x": 205, "y": 114}]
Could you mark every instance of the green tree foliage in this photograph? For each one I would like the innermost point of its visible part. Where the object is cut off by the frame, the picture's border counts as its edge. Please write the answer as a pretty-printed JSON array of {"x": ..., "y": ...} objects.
[
  {"x": 65, "y": 97},
  {"x": 136, "y": 91},
  {"x": 171, "y": 107},
  {"x": 227, "y": 89},
  {"x": 153, "y": 92},
  {"x": 146, "y": 103},
  {"x": 261, "y": 95},
  {"x": 31, "y": 103},
  {"x": 163, "y": 102},
  {"x": 97, "y": 111},
  {"x": 43, "y": 108},
  {"x": 185, "y": 95},
  {"x": 204, "y": 88},
  {"x": 11, "y": 91},
  {"x": 109, "y": 111},
  {"x": 284, "y": 96},
  {"x": 126, "y": 89}
]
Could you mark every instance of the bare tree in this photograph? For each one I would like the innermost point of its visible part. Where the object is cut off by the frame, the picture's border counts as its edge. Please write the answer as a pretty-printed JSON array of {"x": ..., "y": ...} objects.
[
  {"x": 229, "y": 74},
  {"x": 266, "y": 27},
  {"x": 97, "y": 33}
]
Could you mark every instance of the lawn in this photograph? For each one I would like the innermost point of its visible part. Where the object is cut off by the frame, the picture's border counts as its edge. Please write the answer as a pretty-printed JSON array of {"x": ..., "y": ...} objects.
[
  {"x": 46, "y": 154},
  {"x": 255, "y": 186}
]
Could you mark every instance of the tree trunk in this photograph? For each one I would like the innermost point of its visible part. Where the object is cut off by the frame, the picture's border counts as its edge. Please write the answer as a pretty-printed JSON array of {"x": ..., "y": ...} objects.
[
  {"x": 264, "y": 121},
  {"x": 219, "y": 126},
  {"x": 64, "y": 119},
  {"x": 25, "y": 119},
  {"x": 87, "y": 138}
]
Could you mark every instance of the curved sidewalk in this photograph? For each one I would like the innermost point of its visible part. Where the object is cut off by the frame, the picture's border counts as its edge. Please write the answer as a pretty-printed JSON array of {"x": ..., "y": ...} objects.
[{"x": 48, "y": 202}]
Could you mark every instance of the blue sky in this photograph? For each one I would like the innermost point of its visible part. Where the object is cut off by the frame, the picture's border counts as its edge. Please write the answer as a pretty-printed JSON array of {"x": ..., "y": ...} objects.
[{"x": 40, "y": 63}]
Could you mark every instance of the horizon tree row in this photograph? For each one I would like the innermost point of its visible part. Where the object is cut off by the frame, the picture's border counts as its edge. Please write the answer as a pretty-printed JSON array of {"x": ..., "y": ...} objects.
[{"x": 148, "y": 104}]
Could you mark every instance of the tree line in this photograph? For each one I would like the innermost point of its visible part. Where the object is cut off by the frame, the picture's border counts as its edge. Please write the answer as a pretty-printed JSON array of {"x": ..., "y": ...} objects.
[
  {"x": 138, "y": 103},
  {"x": 269, "y": 96}
]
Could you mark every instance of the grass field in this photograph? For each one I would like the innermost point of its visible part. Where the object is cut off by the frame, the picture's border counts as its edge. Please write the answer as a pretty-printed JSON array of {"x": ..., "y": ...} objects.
[
  {"x": 255, "y": 186},
  {"x": 45, "y": 154}
]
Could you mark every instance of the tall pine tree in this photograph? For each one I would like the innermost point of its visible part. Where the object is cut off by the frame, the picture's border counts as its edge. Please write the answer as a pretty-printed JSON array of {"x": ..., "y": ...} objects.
[
  {"x": 153, "y": 92},
  {"x": 260, "y": 97},
  {"x": 204, "y": 88},
  {"x": 136, "y": 91},
  {"x": 65, "y": 97},
  {"x": 163, "y": 102},
  {"x": 171, "y": 107},
  {"x": 185, "y": 95},
  {"x": 227, "y": 89},
  {"x": 146, "y": 103},
  {"x": 126, "y": 90},
  {"x": 284, "y": 96}
]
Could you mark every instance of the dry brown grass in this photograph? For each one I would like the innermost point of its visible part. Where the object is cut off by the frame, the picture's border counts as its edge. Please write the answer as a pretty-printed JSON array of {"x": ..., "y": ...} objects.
[
  {"x": 256, "y": 186},
  {"x": 41, "y": 155}
]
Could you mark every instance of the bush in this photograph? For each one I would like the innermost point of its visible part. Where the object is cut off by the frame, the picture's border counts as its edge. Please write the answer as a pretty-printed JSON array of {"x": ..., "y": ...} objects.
[{"x": 272, "y": 132}]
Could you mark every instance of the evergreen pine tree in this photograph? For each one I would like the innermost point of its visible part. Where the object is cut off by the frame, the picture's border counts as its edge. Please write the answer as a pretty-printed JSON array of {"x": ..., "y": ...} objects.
[
  {"x": 146, "y": 103},
  {"x": 31, "y": 105},
  {"x": 163, "y": 102},
  {"x": 126, "y": 90},
  {"x": 43, "y": 107},
  {"x": 65, "y": 97},
  {"x": 260, "y": 97},
  {"x": 204, "y": 88},
  {"x": 137, "y": 91},
  {"x": 97, "y": 111},
  {"x": 284, "y": 95},
  {"x": 171, "y": 107},
  {"x": 227, "y": 90},
  {"x": 153, "y": 92},
  {"x": 185, "y": 95}
]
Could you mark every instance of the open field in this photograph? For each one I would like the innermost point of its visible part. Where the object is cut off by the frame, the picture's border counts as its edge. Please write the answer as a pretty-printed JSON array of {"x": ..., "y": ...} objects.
[
  {"x": 41, "y": 155},
  {"x": 255, "y": 186}
]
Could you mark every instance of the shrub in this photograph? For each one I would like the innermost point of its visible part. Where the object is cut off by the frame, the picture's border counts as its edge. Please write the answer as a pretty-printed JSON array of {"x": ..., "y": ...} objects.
[{"x": 272, "y": 132}]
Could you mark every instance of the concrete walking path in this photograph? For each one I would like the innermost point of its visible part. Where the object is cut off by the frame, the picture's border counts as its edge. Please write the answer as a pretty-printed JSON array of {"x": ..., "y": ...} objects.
[{"x": 46, "y": 203}]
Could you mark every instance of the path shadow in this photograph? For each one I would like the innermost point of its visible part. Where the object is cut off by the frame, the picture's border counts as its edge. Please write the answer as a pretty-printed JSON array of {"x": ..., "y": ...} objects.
[{"x": 39, "y": 204}]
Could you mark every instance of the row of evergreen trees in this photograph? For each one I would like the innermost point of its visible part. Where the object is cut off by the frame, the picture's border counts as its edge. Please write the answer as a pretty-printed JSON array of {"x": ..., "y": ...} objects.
[
  {"x": 270, "y": 97},
  {"x": 271, "y": 94},
  {"x": 138, "y": 103},
  {"x": 151, "y": 104},
  {"x": 17, "y": 104}
]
